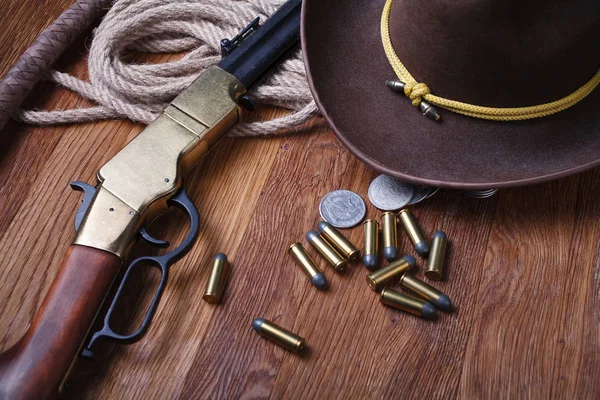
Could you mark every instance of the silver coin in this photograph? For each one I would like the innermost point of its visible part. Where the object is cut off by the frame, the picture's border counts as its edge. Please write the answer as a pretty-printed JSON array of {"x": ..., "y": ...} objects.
[
  {"x": 432, "y": 191},
  {"x": 388, "y": 193},
  {"x": 342, "y": 208},
  {"x": 420, "y": 194},
  {"x": 480, "y": 194}
]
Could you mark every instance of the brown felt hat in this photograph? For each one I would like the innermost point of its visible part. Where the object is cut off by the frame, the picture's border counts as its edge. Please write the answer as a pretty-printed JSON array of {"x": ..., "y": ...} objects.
[{"x": 511, "y": 53}]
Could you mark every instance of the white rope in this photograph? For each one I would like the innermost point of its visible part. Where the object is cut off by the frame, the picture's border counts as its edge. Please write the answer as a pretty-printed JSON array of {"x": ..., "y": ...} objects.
[{"x": 140, "y": 91}]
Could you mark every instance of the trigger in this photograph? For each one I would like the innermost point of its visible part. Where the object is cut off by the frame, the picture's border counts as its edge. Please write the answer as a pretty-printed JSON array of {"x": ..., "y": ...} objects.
[{"x": 161, "y": 244}]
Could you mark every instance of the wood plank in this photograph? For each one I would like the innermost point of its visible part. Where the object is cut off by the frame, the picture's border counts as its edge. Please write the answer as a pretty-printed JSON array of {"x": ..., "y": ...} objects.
[
  {"x": 584, "y": 249},
  {"x": 529, "y": 339},
  {"x": 523, "y": 271}
]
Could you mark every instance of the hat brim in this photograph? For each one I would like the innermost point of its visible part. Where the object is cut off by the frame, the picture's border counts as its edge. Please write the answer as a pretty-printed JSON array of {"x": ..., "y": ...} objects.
[{"x": 347, "y": 69}]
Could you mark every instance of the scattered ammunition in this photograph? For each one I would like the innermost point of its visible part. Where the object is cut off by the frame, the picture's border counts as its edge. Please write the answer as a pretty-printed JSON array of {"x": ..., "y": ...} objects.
[
  {"x": 414, "y": 232},
  {"x": 217, "y": 279},
  {"x": 326, "y": 250},
  {"x": 429, "y": 293},
  {"x": 279, "y": 335},
  {"x": 307, "y": 264},
  {"x": 371, "y": 250},
  {"x": 390, "y": 236},
  {"x": 338, "y": 241},
  {"x": 435, "y": 263},
  {"x": 409, "y": 304},
  {"x": 383, "y": 276}
]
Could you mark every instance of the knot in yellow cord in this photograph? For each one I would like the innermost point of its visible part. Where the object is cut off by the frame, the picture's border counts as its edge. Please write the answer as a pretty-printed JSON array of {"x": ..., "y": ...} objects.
[{"x": 416, "y": 91}]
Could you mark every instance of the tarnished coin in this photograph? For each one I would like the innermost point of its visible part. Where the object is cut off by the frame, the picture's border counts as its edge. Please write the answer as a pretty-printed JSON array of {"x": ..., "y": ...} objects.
[
  {"x": 480, "y": 194},
  {"x": 421, "y": 193},
  {"x": 432, "y": 191},
  {"x": 388, "y": 193},
  {"x": 342, "y": 208}
]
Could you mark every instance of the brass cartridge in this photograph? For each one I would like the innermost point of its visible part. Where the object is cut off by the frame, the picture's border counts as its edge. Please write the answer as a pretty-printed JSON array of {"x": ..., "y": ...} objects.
[
  {"x": 390, "y": 235},
  {"x": 371, "y": 249},
  {"x": 338, "y": 241},
  {"x": 217, "y": 279},
  {"x": 429, "y": 293},
  {"x": 435, "y": 263},
  {"x": 409, "y": 304},
  {"x": 279, "y": 335},
  {"x": 326, "y": 250},
  {"x": 304, "y": 261},
  {"x": 385, "y": 275},
  {"x": 414, "y": 232}
]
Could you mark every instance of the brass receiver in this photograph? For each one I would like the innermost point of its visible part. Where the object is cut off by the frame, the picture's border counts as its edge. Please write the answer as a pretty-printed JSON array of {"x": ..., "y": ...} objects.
[{"x": 135, "y": 184}]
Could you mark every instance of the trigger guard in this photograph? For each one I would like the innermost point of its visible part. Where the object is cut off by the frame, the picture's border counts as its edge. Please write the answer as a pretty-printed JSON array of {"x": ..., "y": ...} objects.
[{"x": 182, "y": 201}]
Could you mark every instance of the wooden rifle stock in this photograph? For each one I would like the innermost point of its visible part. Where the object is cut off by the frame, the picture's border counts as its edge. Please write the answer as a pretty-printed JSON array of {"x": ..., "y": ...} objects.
[{"x": 36, "y": 365}]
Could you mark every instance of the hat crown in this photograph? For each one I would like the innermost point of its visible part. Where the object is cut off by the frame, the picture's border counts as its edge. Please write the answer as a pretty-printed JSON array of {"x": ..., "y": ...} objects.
[{"x": 495, "y": 52}]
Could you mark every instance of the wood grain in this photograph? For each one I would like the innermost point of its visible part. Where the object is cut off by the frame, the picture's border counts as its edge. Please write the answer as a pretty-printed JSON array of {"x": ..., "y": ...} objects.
[
  {"x": 35, "y": 366},
  {"x": 523, "y": 271}
]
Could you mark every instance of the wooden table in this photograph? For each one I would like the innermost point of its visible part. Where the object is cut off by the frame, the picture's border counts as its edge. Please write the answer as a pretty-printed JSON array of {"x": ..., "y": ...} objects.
[{"x": 523, "y": 271}]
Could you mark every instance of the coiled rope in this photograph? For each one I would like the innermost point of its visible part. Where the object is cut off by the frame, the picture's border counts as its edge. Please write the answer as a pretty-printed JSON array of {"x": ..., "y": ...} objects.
[
  {"x": 140, "y": 91},
  {"x": 418, "y": 91}
]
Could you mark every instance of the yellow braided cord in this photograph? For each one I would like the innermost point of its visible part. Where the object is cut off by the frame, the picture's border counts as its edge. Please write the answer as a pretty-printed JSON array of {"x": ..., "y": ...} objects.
[{"x": 417, "y": 91}]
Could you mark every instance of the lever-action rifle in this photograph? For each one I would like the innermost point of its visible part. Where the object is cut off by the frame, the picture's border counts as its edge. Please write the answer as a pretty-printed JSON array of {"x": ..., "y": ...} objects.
[{"x": 142, "y": 181}]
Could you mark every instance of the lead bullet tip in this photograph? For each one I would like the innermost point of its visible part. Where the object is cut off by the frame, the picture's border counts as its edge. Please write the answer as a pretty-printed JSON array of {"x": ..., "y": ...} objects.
[
  {"x": 444, "y": 303},
  {"x": 390, "y": 253},
  {"x": 257, "y": 324},
  {"x": 439, "y": 234},
  {"x": 310, "y": 235},
  {"x": 322, "y": 226},
  {"x": 428, "y": 311},
  {"x": 319, "y": 281},
  {"x": 410, "y": 260},
  {"x": 370, "y": 261},
  {"x": 422, "y": 248}
]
